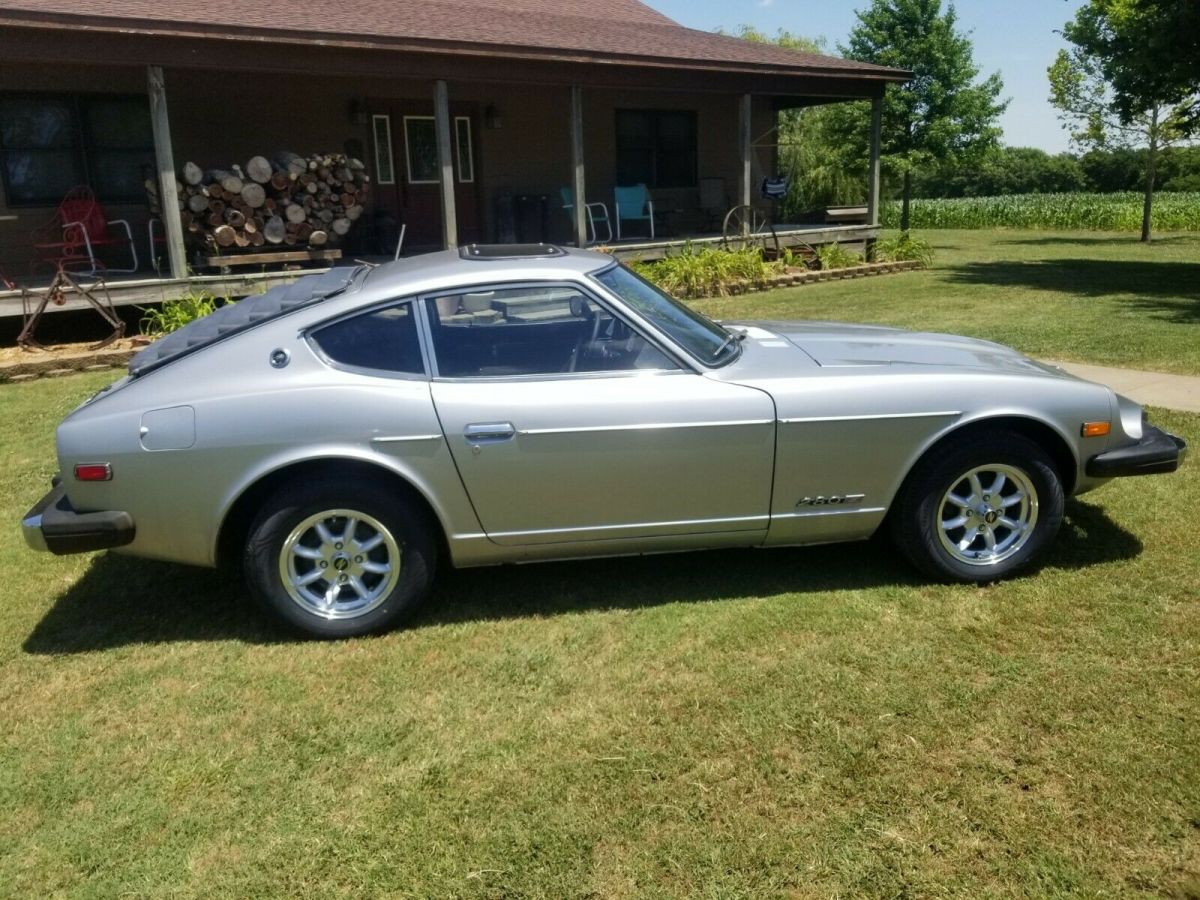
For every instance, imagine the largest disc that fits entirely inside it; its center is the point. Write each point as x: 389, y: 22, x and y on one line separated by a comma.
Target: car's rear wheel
x: 338, y: 560
x: 979, y: 511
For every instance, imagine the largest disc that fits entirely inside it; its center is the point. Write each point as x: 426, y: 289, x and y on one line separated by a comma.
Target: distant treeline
x: 1026, y: 170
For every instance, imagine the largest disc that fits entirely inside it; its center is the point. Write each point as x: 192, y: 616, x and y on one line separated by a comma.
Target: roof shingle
x: 621, y: 29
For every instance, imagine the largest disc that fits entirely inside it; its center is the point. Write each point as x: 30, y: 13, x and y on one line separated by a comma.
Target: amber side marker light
x: 93, y: 472
x: 1096, y: 429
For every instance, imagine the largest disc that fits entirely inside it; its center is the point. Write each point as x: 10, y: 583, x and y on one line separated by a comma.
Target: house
x: 470, y: 115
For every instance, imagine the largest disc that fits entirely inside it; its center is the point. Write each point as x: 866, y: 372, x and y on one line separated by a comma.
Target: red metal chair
x: 79, y: 228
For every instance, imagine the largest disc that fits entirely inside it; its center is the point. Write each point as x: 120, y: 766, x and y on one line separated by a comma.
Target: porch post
x: 873, y: 171
x: 578, y: 180
x: 168, y: 197
x: 441, y: 114
x: 747, y: 149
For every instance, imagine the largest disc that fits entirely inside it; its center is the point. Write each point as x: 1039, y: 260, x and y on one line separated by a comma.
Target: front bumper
x: 53, y: 525
x: 1157, y: 453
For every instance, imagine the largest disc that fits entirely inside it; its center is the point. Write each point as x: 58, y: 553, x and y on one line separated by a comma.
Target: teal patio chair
x: 596, y: 212
x: 634, y: 205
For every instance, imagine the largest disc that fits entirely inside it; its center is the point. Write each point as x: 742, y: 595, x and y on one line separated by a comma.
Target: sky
x: 1015, y: 37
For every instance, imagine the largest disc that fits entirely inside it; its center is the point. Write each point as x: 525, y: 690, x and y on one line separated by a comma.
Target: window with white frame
x: 381, y: 131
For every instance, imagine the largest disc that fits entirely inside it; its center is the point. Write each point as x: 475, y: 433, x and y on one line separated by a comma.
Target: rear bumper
x: 54, y: 526
x: 1157, y: 453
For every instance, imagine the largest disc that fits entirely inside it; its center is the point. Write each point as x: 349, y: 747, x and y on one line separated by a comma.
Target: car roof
x: 431, y: 272
x: 448, y: 269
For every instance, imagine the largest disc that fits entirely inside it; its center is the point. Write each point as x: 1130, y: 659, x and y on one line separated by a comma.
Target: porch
x: 142, y: 289
x: 488, y: 156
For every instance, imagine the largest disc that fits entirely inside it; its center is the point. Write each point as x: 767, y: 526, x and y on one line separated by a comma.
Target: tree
x: 1005, y: 170
x: 1130, y: 79
x: 940, y: 118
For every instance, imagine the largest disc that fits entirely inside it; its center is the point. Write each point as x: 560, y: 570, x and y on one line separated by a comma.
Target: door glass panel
x: 535, y: 330
x: 420, y: 138
x: 383, y: 339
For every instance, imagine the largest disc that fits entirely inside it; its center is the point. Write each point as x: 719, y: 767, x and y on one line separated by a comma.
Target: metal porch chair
x: 69, y: 241
x: 634, y: 204
x: 596, y: 212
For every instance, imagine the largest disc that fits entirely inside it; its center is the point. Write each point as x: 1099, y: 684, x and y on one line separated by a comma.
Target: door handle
x: 489, y: 432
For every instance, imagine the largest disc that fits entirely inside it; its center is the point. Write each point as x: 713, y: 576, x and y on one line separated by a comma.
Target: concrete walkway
x: 1148, y: 388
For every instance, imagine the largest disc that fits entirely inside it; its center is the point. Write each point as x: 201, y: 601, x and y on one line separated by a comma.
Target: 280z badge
x: 833, y: 500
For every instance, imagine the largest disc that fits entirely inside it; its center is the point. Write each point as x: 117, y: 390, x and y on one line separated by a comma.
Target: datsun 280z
x: 344, y: 436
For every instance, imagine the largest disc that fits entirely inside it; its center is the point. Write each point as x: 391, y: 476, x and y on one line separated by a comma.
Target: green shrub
x: 708, y: 272
x: 905, y: 247
x: 835, y: 256
x: 171, y: 315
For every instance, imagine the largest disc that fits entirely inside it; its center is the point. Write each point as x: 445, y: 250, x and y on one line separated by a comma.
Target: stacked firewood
x: 288, y: 200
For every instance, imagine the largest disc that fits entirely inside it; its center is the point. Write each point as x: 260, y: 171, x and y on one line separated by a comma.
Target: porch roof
x: 615, y: 31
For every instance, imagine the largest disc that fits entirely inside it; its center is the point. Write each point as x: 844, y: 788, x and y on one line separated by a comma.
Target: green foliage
x: 835, y: 256
x: 1144, y: 54
x: 1084, y: 212
x: 1006, y: 170
x: 821, y: 172
x: 782, y: 38
x: 1026, y: 170
x: 708, y: 272
x: 903, y: 248
x: 171, y: 315
x: 943, y: 115
x: 818, y: 170
x: 1114, y: 87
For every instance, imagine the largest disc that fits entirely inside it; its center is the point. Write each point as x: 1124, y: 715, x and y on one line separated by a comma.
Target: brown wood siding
x: 218, y: 118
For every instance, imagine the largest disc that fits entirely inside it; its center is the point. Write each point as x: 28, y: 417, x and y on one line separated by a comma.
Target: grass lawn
x: 1082, y: 296
x: 802, y: 723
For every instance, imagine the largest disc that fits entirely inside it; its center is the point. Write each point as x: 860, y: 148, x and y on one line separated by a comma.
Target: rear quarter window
x: 383, y: 340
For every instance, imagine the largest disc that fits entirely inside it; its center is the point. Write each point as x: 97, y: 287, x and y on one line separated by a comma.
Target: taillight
x: 93, y: 472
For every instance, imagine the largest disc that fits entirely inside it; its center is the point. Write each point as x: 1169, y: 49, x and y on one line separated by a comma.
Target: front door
x: 407, y: 175
x: 567, y: 425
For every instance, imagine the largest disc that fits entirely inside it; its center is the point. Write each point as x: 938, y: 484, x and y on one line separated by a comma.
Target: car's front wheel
x: 340, y: 560
x: 979, y: 511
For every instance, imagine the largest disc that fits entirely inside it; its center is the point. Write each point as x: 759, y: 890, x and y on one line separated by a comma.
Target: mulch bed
x: 18, y: 364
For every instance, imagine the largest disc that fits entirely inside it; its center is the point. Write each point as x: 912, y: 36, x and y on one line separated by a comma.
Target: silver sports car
x: 343, y: 436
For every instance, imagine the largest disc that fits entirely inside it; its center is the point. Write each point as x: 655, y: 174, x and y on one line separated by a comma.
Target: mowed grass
x: 1088, y: 297
x: 800, y: 723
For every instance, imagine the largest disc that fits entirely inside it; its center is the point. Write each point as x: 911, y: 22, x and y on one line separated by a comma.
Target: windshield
x: 704, y: 339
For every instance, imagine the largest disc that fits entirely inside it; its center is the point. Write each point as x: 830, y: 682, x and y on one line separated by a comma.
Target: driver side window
x: 533, y: 330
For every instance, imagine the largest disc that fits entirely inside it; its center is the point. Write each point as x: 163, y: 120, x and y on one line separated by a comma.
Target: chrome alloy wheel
x: 339, y: 564
x: 987, y: 515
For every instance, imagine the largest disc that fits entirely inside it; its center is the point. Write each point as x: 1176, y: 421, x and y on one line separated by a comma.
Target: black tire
x: 916, y: 518
x: 410, y: 528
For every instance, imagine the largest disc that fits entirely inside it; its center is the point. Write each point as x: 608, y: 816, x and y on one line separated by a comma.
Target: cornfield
x: 1078, y: 212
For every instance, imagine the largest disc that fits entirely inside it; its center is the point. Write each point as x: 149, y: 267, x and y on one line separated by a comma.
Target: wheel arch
x: 1042, y: 433
x: 239, y: 514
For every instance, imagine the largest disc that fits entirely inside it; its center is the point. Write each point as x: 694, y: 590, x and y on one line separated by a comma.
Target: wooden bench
x: 271, y: 257
x: 846, y: 215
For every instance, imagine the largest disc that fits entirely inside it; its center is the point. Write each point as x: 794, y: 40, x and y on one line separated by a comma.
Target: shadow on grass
x: 121, y: 601
x: 1107, y: 238
x: 1166, y: 290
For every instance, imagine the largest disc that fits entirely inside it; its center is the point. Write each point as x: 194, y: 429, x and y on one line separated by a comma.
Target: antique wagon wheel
x: 745, y: 227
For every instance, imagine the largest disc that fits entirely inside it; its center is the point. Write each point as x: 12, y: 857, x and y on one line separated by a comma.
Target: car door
x: 567, y: 424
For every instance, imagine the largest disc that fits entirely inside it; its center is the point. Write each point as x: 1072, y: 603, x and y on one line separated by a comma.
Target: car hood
x: 837, y: 345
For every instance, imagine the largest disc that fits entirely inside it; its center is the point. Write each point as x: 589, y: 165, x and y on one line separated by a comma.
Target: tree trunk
x: 1151, y: 171
x: 904, y: 201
